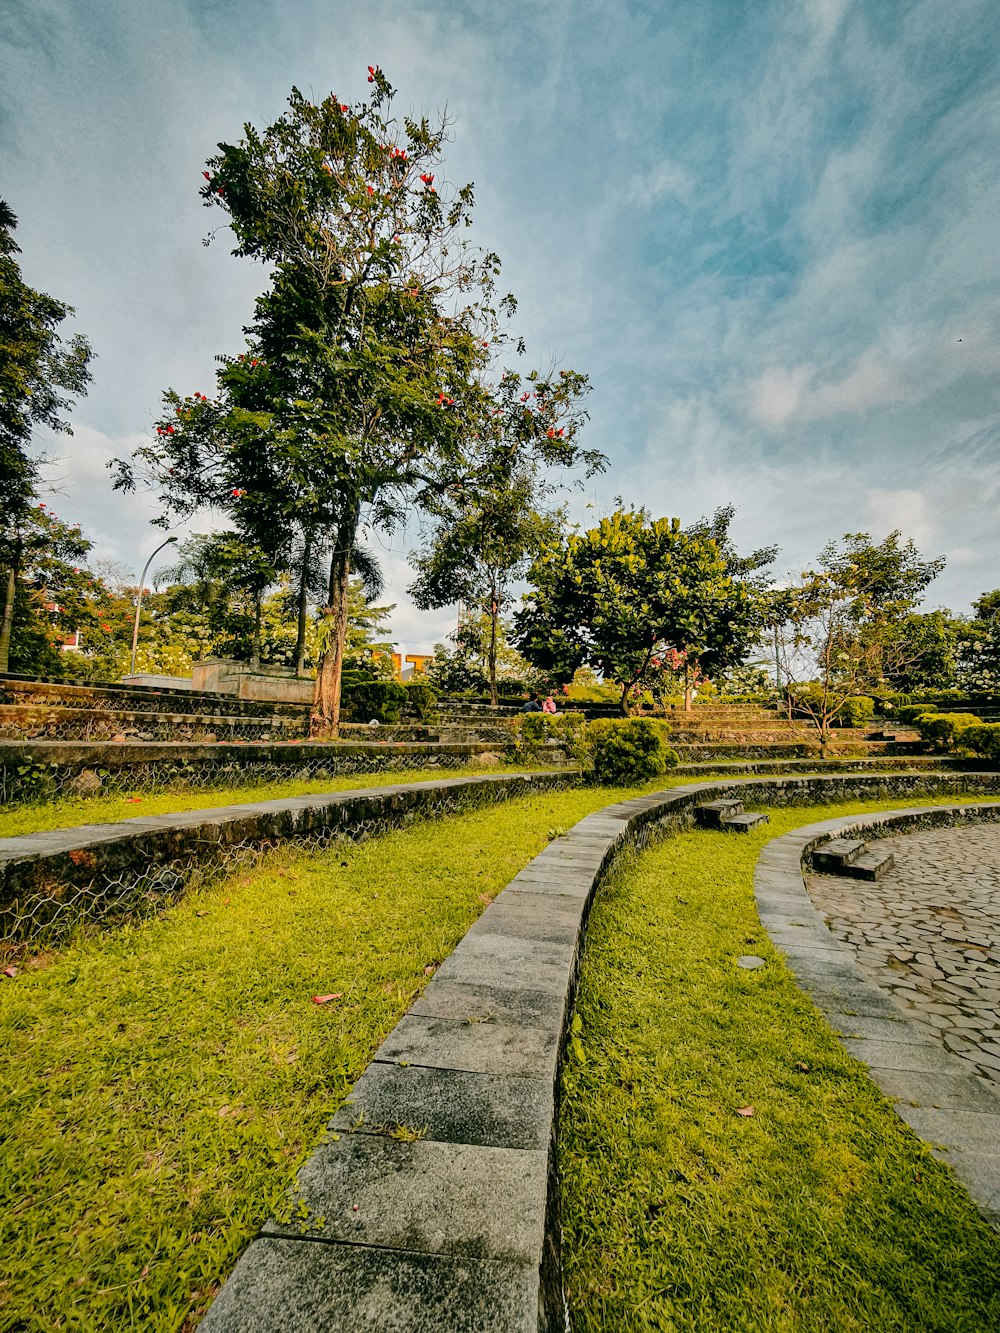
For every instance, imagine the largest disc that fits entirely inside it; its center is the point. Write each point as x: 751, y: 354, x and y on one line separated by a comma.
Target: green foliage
x: 943, y: 729
x: 567, y: 730
x: 620, y: 597
x: 377, y: 701
x: 858, y: 711
x: 910, y: 712
x: 983, y: 739
x: 978, y: 666
x: 37, y: 372
x: 421, y: 699
x: 629, y: 749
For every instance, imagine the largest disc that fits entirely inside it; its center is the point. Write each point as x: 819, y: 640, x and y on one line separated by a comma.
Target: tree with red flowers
x: 369, y: 353
x: 484, y: 532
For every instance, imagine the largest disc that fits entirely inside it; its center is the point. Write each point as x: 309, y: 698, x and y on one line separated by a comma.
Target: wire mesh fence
x: 32, y: 781
x: 58, y: 901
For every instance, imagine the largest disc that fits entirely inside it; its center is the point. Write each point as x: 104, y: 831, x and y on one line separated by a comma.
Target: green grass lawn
x: 161, y: 1083
x: 72, y: 811
x: 820, y: 1210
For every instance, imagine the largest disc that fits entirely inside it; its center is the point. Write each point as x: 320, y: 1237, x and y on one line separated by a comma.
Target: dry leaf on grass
x: 322, y: 999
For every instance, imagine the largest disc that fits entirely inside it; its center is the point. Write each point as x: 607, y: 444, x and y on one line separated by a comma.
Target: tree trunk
x: 8, y: 620
x: 324, y: 721
x: 255, y: 645
x: 624, y: 704
x: 688, y: 688
x: 300, y: 630
x: 492, y: 660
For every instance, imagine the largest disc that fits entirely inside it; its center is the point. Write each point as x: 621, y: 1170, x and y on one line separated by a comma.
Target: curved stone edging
x: 932, y: 1090
x: 433, y: 1205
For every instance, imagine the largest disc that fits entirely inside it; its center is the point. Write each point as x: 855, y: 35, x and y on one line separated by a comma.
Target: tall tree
x: 978, y: 668
x: 843, y: 631
x: 486, y: 531
x: 621, y: 595
x: 353, y: 399
x: 37, y: 373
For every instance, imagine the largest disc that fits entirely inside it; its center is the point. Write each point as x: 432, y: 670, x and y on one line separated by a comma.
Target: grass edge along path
x: 724, y: 1163
x: 163, y: 1081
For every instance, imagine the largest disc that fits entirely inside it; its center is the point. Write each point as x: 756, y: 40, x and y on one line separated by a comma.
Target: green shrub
x: 377, y: 701
x: 421, y: 699
x: 910, y: 712
x: 982, y: 739
x: 857, y: 711
x: 537, y: 730
x: 629, y: 749
x: 942, y: 729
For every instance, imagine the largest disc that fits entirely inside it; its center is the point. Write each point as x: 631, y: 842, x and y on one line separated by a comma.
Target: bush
x: 943, y: 728
x: 857, y: 711
x: 630, y: 749
x: 910, y: 712
x: 421, y: 699
x: 983, y: 739
x: 567, y: 730
x: 377, y: 701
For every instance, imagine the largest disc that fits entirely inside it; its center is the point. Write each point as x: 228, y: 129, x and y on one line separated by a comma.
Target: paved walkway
x: 929, y: 933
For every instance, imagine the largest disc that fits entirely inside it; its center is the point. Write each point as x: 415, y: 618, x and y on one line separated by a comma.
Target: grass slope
x: 161, y: 1083
x: 72, y: 811
x: 819, y: 1211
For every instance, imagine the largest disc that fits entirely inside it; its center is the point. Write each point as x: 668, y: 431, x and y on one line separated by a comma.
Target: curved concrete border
x: 432, y: 1206
x: 954, y: 1111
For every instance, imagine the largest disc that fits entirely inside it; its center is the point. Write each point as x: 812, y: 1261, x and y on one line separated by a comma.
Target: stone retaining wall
x: 43, y: 770
x: 52, y: 882
x: 432, y: 1204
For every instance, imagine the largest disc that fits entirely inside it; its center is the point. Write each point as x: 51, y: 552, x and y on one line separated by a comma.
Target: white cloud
x: 908, y: 511
x: 667, y: 178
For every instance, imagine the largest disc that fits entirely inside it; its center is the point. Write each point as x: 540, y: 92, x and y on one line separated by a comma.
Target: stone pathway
x: 929, y: 933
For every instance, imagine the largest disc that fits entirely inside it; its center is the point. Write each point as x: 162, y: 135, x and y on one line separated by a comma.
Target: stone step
x: 743, y: 823
x: 870, y: 865
x: 713, y: 814
x: 835, y: 856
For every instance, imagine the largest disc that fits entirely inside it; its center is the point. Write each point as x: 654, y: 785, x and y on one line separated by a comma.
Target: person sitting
x: 549, y: 706
x: 532, y: 705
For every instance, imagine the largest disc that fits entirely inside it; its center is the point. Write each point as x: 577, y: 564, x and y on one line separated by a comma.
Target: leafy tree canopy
x: 621, y: 595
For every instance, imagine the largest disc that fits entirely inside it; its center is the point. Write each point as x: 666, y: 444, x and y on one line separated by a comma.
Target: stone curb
x: 433, y: 1202
x: 955, y: 1112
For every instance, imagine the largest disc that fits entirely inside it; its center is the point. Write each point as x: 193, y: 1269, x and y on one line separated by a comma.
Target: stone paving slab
x: 929, y: 934
x: 425, y: 1196
x: 896, y: 1027
x: 294, y: 1286
x: 452, y: 1105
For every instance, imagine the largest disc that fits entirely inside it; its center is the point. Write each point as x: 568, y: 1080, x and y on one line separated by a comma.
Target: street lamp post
x: 138, y: 601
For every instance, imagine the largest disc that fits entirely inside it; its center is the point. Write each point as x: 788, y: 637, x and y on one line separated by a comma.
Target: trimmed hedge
x: 943, y: 729
x: 377, y: 701
x: 982, y: 739
x: 538, y: 730
x: 630, y: 749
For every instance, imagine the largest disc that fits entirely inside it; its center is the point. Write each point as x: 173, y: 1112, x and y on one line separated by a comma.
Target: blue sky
x: 767, y: 231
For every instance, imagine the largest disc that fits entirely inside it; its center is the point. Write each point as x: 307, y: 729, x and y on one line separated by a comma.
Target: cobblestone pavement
x: 929, y: 932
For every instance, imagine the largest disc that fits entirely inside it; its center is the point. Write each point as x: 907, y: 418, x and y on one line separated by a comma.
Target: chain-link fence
x: 57, y: 896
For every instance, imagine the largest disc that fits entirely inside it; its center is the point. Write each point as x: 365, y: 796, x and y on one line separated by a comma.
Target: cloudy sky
x: 767, y: 231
